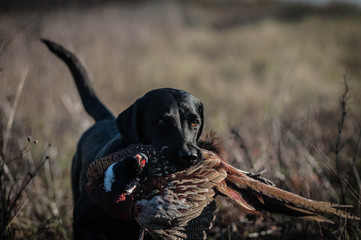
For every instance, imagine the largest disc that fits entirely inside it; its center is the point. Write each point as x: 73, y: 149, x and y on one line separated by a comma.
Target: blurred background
x: 280, y: 81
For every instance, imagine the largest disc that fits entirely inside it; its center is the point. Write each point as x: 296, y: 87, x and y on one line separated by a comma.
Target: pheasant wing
x: 195, y: 229
x: 183, y: 208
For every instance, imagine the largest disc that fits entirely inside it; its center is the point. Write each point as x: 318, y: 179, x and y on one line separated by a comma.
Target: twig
x: 52, y: 200
x: 355, y: 172
x: 27, y: 180
x: 354, y: 168
x: 342, y: 180
x: 244, y: 147
x: 17, y: 213
x: 10, y: 123
x: 313, y: 162
x: 13, y: 110
x: 340, y: 125
x: 281, y: 162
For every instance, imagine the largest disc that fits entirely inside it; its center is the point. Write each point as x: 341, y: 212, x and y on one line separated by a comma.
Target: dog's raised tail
x: 93, y: 106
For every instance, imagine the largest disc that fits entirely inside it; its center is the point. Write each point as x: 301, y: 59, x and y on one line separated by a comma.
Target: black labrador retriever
x: 166, y: 118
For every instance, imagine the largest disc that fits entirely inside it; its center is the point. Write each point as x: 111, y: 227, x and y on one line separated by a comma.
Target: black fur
x: 166, y: 118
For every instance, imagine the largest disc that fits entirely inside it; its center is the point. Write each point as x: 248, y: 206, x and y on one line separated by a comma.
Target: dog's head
x: 166, y: 118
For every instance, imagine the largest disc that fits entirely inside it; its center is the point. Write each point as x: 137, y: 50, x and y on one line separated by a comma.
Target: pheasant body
x: 165, y: 200
x: 173, y: 203
x: 179, y: 197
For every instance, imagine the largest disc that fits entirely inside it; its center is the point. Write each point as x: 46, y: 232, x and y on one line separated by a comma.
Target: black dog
x: 166, y: 118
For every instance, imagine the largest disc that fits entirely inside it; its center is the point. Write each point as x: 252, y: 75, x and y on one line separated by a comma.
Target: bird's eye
x: 195, y: 123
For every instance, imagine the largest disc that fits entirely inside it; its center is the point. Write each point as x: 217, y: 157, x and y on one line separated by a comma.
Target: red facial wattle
x: 142, y: 159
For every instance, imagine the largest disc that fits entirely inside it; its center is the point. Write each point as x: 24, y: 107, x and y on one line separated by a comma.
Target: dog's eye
x: 195, y: 123
x: 161, y: 122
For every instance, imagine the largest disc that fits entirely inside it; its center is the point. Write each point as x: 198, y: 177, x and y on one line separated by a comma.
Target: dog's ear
x: 128, y: 123
x: 200, y: 110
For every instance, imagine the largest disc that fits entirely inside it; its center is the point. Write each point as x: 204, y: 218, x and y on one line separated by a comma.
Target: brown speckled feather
x: 178, y: 204
x: 175, y: 205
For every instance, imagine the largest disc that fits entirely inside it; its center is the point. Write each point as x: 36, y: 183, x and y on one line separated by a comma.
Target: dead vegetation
x: 302, y: 163
x: 272, y: 87
x: 28, y: 208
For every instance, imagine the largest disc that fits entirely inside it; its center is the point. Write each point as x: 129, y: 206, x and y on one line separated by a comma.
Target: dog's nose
x: 188, y: 156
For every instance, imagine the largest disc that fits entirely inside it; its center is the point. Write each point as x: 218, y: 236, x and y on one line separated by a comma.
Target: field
x: 280, y: 83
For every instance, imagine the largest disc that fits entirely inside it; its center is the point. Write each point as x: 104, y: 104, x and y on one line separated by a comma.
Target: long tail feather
x: 261, y: 196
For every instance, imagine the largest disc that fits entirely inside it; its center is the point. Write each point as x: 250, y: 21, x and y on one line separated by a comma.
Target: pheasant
x: 139, y: 182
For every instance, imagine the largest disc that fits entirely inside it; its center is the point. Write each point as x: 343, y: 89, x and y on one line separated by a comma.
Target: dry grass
x: 275, y: 81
